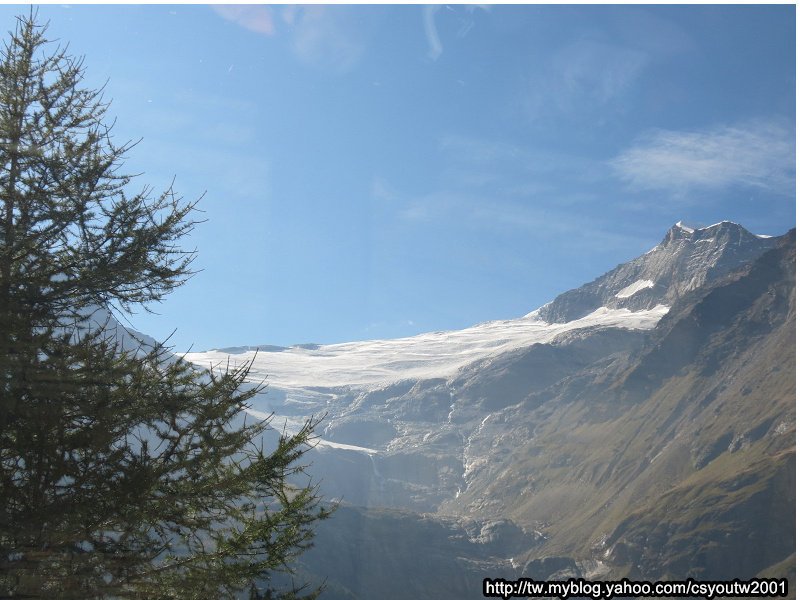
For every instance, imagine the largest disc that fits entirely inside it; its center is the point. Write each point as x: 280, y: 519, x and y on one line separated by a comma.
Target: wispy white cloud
x: 583, y: 76
x: 498, y: 165
x: 464, y: 23
x: 757, y: 153
x: 597, y: 70
x: 254, y: 17
x: 512, y: 216
x: 325, y: 36
x: 501, y: 188
x: 431, y: 33
x: 382, y: 191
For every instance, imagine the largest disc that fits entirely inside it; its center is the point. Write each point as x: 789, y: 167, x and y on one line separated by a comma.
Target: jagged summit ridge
x: 686, y: 258
x: 693, y: 233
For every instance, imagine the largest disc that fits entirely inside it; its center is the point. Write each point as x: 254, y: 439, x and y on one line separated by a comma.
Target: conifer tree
x: 124, y: 472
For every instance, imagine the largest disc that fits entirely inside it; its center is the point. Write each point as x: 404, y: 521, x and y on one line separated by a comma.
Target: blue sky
x: 380, y: 171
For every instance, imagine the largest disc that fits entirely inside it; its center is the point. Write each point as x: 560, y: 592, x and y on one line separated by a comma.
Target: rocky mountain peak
x: 686, y: 258
x: 723, y: 232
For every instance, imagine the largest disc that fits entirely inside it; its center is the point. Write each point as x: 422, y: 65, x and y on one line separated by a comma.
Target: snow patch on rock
x: 636, y: 286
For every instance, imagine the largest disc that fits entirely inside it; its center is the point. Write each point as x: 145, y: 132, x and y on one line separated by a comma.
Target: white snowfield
x: 428, y: 355
x: 636, y: 286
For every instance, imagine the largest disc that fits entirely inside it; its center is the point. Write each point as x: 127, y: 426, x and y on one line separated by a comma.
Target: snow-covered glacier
x: 429, y: 355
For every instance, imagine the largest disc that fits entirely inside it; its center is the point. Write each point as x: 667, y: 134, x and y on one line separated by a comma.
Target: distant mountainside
x: 673, y: 460
x: 642, y: 425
